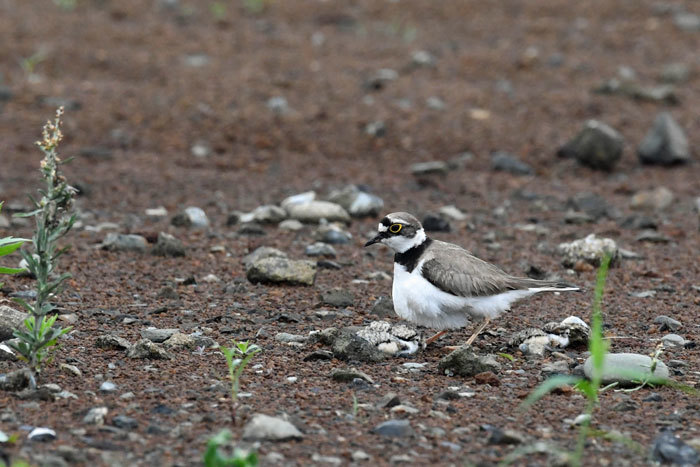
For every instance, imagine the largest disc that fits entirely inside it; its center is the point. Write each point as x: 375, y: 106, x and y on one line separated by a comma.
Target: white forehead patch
x: 382, y: 227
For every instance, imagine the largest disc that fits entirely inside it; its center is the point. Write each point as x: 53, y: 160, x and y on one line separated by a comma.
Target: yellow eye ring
x: 395, y: 228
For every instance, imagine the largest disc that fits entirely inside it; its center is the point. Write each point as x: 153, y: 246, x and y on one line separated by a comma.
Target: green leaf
x: 4, y: 270
x: 548, y: 386
x: 507, y: 356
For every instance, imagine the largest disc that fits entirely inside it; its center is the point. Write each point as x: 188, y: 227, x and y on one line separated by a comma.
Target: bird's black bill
x: 378, y: 238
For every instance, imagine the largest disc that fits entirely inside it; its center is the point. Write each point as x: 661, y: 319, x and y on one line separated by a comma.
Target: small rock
x: 507, y: 437
x: 10, y: 319
x: 357, y: 202
x: 667, y: 323
x: 389, y: 400
x: 168, y: 245
x: 453, y: 213
x: 15, y: 380
x: 265, y: 428
x: 591, y: 204
x: 291, y: 225
x: 686, y: 21
x: 464, y: 362
x: 349, y: 375
x: 394, y: 429
x: 376, y: 129
x: 125, y: 423
x: 347, y: 345
x: 626, y: 368
x: 665, y: 143
x: 278, y: 105
x: 670, y: 449
x: 147, y: 349
x: 319, y: 355
x: 332, y: 460
x: 591, y: 249
x: 657, y: 199
x: 597, y: 146
x: 167, y: 293
x: 337, y: 297
x: 108, y: 387
x: 72, y: 369
x: 320, y: 249
x: 639, y: 222
x: 263, y: 252
x: 383, y: 307
x: 436, y: 223
x: 191, y: 217
x: 332, y: 234
x: 157, y: 335
x: 429, y: 168
x: 652, y: 236
x: 282, y: 270
x: 288, y: 338
x: 625, y: 406
x: 559, y: 367
x: 42, y: 434
x: 504, y: 162
x: 673, y: 340
x: 675, y: 73
x: 200, y: 149
x: 360, y: 456
x: 268, y: 214
x: 301, y: 198
x: 124, y: 242
x: 378, y: 79
x: 315, y: 211
x: 110, y: 342
x: 180, y: 341
x: 487, y: 377
x: 95, y: 416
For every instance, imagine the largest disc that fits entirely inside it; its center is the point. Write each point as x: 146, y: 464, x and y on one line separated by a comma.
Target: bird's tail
x: 548, y: 286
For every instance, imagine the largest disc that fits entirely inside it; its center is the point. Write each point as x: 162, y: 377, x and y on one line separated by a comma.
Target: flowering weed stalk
x: 53, y: 221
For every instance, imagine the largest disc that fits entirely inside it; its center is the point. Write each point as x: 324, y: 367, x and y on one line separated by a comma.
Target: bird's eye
x: 395, y: 228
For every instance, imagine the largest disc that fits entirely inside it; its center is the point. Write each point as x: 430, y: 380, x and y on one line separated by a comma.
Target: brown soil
x: 119, y: 66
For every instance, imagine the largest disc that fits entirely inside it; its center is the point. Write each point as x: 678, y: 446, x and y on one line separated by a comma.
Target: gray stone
x: 124, y: 242
x: 394, y: 429
x: 315, y: 211
x: 429, y: 168
x: 686, y: 21
x: 268, y: 214
x: 626, y: 87
x: 197, y: 216
x: 452, y: 212
x: 157, y: 335
x: 278, y: 105
x: 657, y: 199
x: 558, y: 367
x: 200, y: 149
x: 265, y: 428
x: 670, y: 449
x: 337, y: 297
x: 263, y: 252
x: 591, y: 249
x: 72, y: 369
x: 110, y: 342
x: 652, y: 236
x: 376, y: 128
x: 301, y: 198
x: 332, y: 234
x: 146, y: 349
x: 347, y: 345
x: 360, y: 456
x: 291, y: 224
x: 665, y: 143
x: 464, y: 362
x: 383, y: 307
x: 505, y: 437
x: 504, y: 162
x: 168, y: 245
x: 349, y: 375
x: 289, y: 338
x: 667, y: 323
x: 95, y: 416
x: 108, y: 387
x: 10, y: 319
x: 180, y: 341
x: 125, y: 422
x: 42, y: 434
x: 15, y: 380
x: 282, y: 270
x: 319, y: 459
x: 389, y: 400
x: 626, y: 369
x: 357, y: 202
x: 320, y: 249
x: 597, y: 146
x: 673, y: 340
x: 675, y: 73
x: 591, y: 204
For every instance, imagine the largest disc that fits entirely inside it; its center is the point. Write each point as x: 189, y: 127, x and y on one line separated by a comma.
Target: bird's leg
x: 434, y: 338
x: 483, y: 325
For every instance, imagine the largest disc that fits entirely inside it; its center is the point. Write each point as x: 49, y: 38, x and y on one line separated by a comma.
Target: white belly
x: 418, y: 301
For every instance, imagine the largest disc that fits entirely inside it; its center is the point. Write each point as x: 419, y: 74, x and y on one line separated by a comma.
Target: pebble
x: 667, y: 323
x: 675, y: 73
x: 333, y: 234
x: 315, y: 211
x: 111, y: 342
x: 263, y: 252
x: 657, y: 199
x: 278, y: 105
x: 15, y: 380
x: 436, y: 223
x: 282, y: 270
x: 337, y: 297
x: 108, y: 387
x: 504, y: 437
x: 667, y: 448
x: 146, y: 349
x: 665, y: 143
x: 673, y: 340
x: 95, y: 416
x: 626, y: 368
x: 591, y: 249
x: 429, y: 168
x: 191, y: 217
x: 505, y: 162
x: 452, y: 212
x: 559, y: 367
x: 388, y: 400
x: 320, y: 249
x: 72, y: 369
x: 301, y: 198
x: 597, y: 146
x: 394, y: 429
x: 332, y: 460
x: 292, y: 225
x: 347, y: 345
x: 125, y: 422
x: 686, y: 21
x: 360, y: 456
x: 464, y: 362
x: 180, y: 341
x: 383, y: 307
x: 124, y: 242
x: 357, y: 202
x: 591, y: 204
x: 287, y: 337
x: 263, y: 427
x: 42, y: 434
x: 652, y: 236
x: 168, y: 245
x: 349, y: 375
x: 267, y: 214
x: 10, y: 319
x: 157, y: 335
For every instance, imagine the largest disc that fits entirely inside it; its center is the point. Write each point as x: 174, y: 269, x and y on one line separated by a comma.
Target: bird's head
x: 400, y: 231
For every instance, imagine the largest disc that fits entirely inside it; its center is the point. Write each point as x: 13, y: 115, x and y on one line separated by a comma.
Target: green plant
x: 39, y: 335
x: 30, y: 63
x: 214, y: 458
x: 218, y: 10
x: 67, y: 5
x: 9, y: 245
x: 237, y: 358
x: 254, y: 6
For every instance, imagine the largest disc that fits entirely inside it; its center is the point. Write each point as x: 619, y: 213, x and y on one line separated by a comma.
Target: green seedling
x: 30, y: 63
x: 237, y: 358
x: 53, y: 221
x: 9, y: 245
x: 214, y: 458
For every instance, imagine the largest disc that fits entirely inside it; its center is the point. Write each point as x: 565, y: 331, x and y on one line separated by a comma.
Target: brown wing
x: 456, y: 271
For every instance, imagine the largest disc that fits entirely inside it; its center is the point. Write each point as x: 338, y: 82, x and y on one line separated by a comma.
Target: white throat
x: 402, y: 244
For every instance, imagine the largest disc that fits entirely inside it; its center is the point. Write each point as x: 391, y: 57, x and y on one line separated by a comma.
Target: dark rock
x: 147, y: 349
x: 665, y: 143
x: 15, y: 380
x: 639, y: 222
x: 464, y: 362
x: 10, y: 319
x: 669, y: 449
x: 590, y: 203
x: 124, y: 422
x: 319, y: 355
x: 504, y: 162
x: 667, y: 324
x: 252, y: 229
x: 653, y: 397
x: 597, y: 146
x: 349, y: 375
x: 167, y: 293
x: 627, y: 405
x: 394, y: 429
x: 347, y: 345
x: 506, y: 437
x: 337, y: 297
x: 124, y: 242
x: 389, y: 400
x: 436, y: 223
x: 383, y: 307
x: 110, y: 342
x: 168, y: 245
